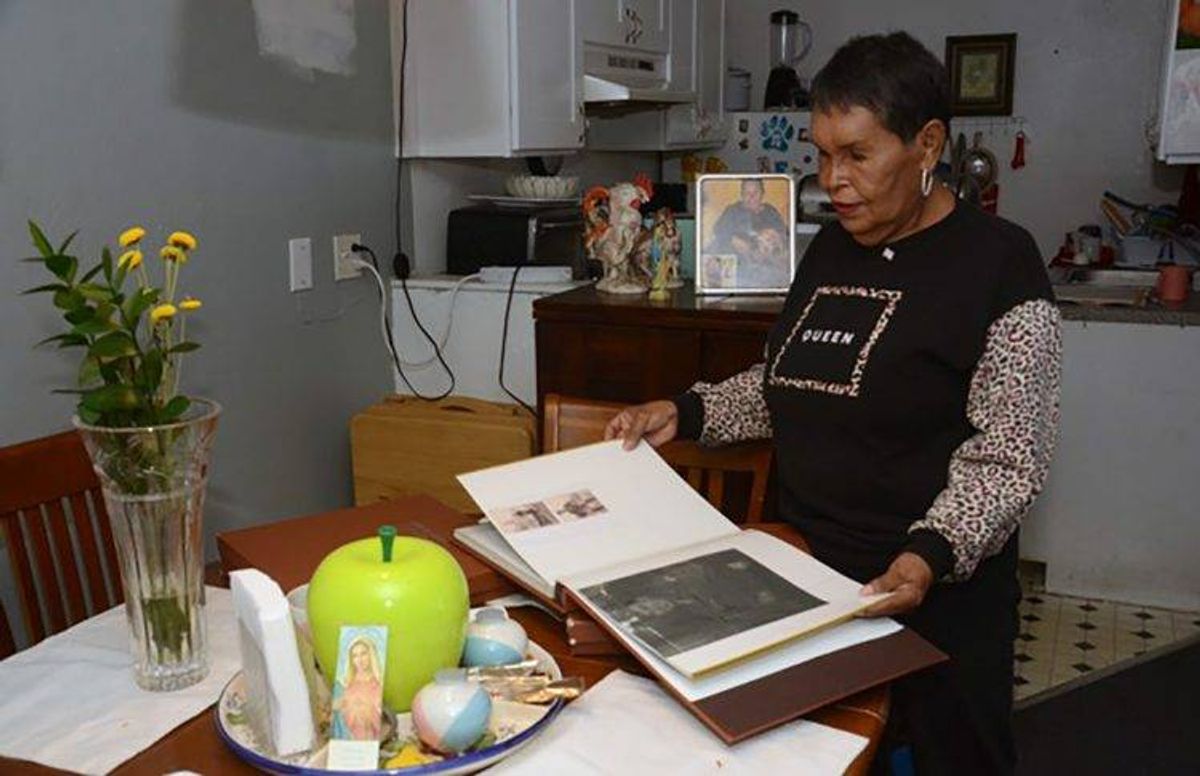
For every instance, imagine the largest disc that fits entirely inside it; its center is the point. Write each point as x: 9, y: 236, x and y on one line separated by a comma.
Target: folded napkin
x: 70, y: 701
x: 629, y: 725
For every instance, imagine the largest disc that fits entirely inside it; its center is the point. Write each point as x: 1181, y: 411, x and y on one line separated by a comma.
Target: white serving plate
x: 513, y: 725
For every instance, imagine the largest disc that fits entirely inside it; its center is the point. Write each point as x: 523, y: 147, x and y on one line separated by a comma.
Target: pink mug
x: 1174, y: 283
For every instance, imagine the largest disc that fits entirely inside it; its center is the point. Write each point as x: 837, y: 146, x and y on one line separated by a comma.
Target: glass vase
x: 153, y: 480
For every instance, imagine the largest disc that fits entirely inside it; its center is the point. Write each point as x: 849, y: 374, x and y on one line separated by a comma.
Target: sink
x: 1089, y: 276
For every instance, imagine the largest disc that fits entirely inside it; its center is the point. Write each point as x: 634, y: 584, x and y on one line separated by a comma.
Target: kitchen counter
x: 1153, y: 313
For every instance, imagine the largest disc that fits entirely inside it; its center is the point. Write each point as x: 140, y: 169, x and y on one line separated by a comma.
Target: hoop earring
x: 926, y: 182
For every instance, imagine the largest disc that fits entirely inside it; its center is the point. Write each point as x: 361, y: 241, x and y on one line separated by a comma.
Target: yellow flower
x: 131, y: 236
x: 130, y: 259
x: 161, y: 313
x: 171, y: 253
x: 182, y: 240
x: 188, y: 304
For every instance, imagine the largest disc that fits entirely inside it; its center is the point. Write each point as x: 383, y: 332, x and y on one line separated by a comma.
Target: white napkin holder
x: 277, y: 704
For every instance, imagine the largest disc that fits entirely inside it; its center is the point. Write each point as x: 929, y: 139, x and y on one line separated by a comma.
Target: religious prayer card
x: 358, y: 699
x: 646, y: 554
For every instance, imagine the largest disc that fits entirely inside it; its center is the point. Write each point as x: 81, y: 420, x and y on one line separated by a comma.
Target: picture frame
x: 981, y: 69
x: 745, y: 233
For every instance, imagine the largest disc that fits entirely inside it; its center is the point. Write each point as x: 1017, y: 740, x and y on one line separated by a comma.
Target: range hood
x: 617, y: 76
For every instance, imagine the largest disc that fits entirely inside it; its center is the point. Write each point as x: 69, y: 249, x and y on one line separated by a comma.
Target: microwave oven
x: 489, y: 236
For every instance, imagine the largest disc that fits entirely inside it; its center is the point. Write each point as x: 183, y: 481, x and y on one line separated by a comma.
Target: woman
x: 911, y: 389
x: 358, y: 703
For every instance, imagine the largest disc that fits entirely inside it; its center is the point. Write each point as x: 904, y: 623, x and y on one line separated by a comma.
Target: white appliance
x: 469, y: 321
x: 1178, y: 140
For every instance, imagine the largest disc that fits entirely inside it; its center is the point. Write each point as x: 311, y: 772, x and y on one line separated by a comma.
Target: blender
x: 790, y: 41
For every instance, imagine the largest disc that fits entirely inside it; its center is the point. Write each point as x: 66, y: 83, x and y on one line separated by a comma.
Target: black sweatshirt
x: 911, y: 391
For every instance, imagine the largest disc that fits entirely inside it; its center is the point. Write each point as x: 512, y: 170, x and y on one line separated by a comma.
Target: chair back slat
x: 715, y: 489
x: 8, y: 646
x: 31, y: 610
x: 58, y: 534
x: 571, y: 422
x: 88, y: 549
x: 110, y: 546
x: 67, y: 561
x: 43, y: 561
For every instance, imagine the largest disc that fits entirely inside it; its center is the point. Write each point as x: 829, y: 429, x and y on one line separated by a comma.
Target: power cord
x: 445, y: 336
x: 512, y: 285
x: 385, y: 325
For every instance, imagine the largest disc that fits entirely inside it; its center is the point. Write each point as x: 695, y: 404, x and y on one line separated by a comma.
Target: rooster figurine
x: 614, y: 234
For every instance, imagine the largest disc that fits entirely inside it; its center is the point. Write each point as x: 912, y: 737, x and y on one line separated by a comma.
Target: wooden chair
x: 60, y: 543
x: 570, y: 422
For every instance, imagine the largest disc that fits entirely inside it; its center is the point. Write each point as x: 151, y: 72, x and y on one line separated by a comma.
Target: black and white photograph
x: 523, y: 517
x: 677, y: 608
x: 575, y: 505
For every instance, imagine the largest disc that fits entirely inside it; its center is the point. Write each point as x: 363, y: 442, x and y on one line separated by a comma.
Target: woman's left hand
x: 908, y: 579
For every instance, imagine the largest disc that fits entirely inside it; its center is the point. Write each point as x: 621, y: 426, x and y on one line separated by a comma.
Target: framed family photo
x: 981, y: 71
x: 745, y: 234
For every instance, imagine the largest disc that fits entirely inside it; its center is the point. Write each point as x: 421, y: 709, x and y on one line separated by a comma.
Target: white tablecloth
x: 70, y: 701
x: 628, y: 725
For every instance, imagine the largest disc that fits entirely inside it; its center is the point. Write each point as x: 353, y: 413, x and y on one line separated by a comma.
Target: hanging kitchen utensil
x: 956, y: 163
x: 1018, y: 160
x: 980, y: 163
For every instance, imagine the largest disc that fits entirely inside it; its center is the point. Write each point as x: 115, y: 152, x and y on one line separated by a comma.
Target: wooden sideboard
x: 632, y: 349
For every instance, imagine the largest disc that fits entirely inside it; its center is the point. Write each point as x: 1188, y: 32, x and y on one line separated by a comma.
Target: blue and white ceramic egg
x: 451, y: 713
x: 494, y: 640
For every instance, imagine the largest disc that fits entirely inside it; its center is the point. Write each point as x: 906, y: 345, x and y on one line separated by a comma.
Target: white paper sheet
x: 70, y: 702
x: 627, y: 725
x: 648, y: 507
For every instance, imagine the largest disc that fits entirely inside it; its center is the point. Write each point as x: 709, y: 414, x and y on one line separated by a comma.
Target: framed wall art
x: 745, y: 234
x: 981, y: 71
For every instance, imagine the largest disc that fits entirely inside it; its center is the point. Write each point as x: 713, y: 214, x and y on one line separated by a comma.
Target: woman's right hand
x: 656, y: 421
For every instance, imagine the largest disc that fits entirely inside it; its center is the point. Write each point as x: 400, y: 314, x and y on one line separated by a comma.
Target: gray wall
x: 165, y: 114
x: 1087, y: 82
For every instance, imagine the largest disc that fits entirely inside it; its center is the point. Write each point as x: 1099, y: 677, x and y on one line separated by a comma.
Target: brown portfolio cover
x: 748, y: 709
x: 744, y: 711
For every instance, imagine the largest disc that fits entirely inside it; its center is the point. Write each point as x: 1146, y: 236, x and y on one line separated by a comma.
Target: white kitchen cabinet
x: 640, y: 25
x: 697, y: 54
x: 490, y: 78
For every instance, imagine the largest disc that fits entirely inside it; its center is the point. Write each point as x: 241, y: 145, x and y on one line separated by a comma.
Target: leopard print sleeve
x: 1013, y: 403
x: 734, y: 410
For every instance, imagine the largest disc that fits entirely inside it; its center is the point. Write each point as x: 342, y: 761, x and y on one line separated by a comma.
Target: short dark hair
x: 893, y: 76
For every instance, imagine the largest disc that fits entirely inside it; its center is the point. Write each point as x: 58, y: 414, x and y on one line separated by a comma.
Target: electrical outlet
x: 343, y: 268
x: 300, y: 265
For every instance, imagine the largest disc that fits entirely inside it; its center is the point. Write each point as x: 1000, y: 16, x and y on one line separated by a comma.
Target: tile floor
x: 1063, y: 638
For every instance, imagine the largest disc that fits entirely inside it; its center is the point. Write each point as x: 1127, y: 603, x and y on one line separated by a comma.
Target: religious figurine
x: 615, y: 237
x: 666, y: 247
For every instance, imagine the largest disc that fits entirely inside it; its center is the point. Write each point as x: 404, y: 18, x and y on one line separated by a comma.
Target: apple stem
x: 387, y: 535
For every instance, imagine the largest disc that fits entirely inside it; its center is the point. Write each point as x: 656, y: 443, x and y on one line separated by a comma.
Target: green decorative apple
x: 412, y: 586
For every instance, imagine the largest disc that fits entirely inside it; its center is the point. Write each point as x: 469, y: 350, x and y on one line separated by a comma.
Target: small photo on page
x: 523, y: 517
x: 575, y: 505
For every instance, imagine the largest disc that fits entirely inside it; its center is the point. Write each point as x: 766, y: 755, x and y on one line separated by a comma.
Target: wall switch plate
x: 343, y: 268
x: 300, y: 267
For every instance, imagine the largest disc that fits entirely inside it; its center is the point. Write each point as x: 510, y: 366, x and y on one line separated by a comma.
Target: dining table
x: 290, y: 550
